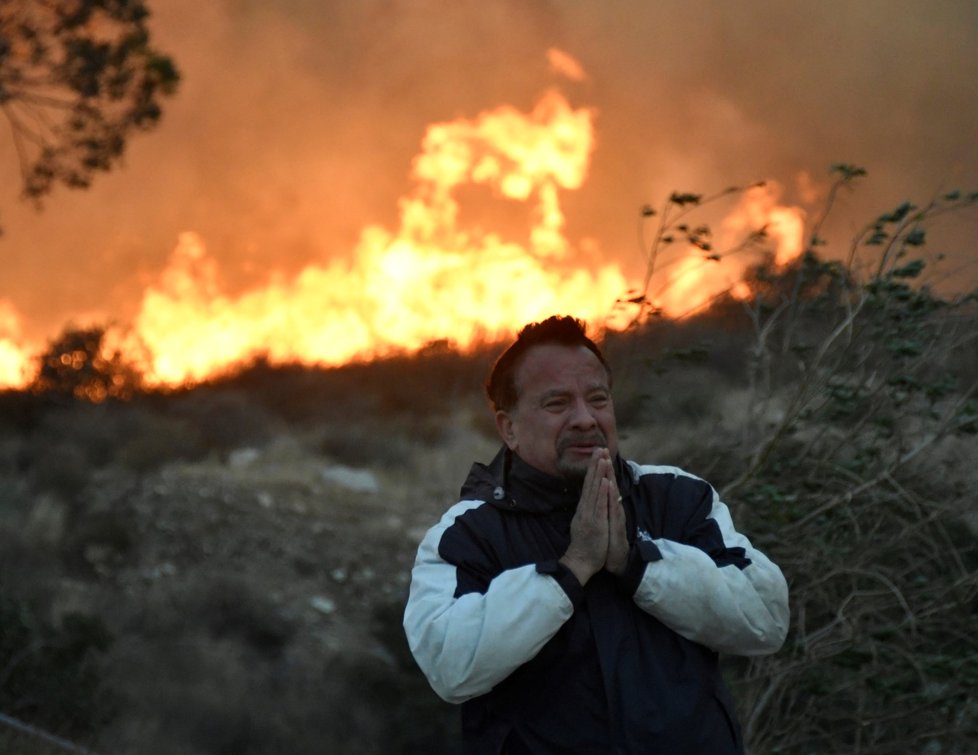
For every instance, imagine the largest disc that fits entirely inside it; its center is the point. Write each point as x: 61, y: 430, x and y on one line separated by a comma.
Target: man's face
x: 564, y: 410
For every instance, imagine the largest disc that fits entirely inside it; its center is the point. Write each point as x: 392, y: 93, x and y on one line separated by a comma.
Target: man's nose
x: 583, y: 415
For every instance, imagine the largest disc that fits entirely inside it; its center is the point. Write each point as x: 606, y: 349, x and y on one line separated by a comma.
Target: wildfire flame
x: 433, y: 278
x: 566, y: 65
x: 760, y: 208
x: 14, y: 363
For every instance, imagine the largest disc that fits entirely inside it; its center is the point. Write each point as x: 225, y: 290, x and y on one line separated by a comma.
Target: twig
x: 47, y: 736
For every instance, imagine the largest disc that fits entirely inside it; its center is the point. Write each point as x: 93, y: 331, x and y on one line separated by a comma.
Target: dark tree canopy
x: 80, y: 364
x: 77, y: 78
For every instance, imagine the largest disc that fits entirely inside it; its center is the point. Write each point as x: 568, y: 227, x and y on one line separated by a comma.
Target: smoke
x: 297, y: 122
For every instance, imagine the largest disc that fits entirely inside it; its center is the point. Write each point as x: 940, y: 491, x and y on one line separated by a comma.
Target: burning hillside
x: 439, y: 275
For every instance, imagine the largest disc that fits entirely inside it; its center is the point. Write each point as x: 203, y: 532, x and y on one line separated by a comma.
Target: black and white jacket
x: 623, y: 664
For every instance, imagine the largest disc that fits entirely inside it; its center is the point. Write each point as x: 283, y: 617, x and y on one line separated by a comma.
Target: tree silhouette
x: 78, y: 364
x: 77, y: 79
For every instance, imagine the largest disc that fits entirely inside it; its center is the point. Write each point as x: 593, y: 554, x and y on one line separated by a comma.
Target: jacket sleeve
x: 467, y: 640
x: 726, y: 594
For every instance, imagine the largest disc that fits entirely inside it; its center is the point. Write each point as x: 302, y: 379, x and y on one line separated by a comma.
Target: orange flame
x: 14, y: 363
x: 565, y: 65
x: 433, y: 278
x: 759, y: 208
x: 692, y: 277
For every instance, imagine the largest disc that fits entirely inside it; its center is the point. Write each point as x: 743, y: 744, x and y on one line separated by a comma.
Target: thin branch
x: 47, y: 736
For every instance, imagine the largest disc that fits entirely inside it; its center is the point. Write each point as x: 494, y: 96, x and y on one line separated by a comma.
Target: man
x: 576, y: 602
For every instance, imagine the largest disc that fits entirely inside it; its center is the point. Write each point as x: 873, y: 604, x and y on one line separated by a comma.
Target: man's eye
x: 599, y: 399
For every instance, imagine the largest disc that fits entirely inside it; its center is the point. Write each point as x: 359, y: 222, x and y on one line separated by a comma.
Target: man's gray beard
x: 573, y: 473
x: 570, y: 472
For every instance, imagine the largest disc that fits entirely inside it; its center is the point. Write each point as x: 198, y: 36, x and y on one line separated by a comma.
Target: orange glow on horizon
x: 433, y: 278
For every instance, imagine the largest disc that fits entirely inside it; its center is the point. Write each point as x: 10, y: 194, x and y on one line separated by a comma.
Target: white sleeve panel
x: 732, y: 610
x: 467, y: 645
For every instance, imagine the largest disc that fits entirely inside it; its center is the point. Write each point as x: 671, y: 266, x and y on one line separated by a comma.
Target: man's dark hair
x: 559, y: 329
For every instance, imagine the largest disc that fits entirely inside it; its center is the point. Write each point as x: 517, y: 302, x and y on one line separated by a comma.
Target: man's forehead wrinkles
x: 556, y: 369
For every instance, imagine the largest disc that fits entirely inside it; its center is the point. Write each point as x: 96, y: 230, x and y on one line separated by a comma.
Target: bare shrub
x: 855, y: 378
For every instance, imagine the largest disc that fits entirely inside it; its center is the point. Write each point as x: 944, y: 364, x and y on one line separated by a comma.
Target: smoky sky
x: 296, y: 122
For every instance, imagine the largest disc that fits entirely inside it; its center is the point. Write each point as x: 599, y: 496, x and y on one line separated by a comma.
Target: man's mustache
x: 589, y: 439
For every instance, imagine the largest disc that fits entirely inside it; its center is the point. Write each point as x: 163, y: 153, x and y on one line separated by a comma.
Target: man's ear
x: 504, y: 425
